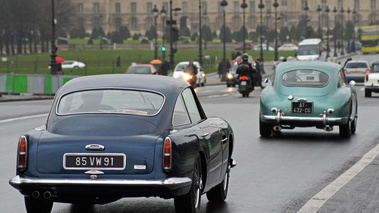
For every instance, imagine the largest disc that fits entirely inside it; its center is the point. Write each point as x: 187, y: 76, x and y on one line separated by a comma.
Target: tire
x: 37, y: 206
x: 367, y: 93
x: 354, y: 122
x: 220, y: 192
x: 345, y: 130
x: 265, y: 129
x: 190, y: 202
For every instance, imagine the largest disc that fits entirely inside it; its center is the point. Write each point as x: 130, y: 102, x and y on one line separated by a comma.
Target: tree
x: 228, y: 34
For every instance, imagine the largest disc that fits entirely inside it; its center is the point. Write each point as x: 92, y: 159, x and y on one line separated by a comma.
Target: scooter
x: 245, y: 86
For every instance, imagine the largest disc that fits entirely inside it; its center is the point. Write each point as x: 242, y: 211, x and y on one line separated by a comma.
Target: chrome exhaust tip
x: 47, y: 195
x: 36, y: 194
x: 277, y: 128
x: 328, y: 128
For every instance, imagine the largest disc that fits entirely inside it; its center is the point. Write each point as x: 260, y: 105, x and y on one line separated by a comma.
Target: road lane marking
x: 22, y: 118
x: 317, y: 201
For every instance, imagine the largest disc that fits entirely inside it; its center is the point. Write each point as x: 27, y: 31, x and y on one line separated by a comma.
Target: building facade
x: 138, y: 15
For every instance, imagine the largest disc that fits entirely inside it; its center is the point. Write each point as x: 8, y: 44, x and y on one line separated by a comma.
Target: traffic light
x: 163, y: 48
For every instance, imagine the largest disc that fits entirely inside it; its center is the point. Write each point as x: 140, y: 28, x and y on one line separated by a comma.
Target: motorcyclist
x: 245, y: 68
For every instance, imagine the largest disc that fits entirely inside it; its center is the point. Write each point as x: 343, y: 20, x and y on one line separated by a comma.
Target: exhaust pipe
x: 328, y: 128
x: 47, y: 195
x: 277, y: 128
x: 36, y: 194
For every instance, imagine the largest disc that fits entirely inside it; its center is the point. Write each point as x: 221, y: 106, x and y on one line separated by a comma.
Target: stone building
x: 138, y: 15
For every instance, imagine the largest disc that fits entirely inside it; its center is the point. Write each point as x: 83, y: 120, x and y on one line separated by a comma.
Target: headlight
x: 187, y: 76
x: 230, y: 76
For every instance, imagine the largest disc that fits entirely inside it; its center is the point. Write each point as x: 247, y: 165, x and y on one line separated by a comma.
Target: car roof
x: 141, y: 65
x: 163, y: 84
x: 318, y: 65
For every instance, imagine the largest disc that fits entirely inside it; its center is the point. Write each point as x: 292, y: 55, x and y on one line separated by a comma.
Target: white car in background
x: 372, y: 80
x: 181, y: 66
x: 288, y: 47
x: 69, y: 64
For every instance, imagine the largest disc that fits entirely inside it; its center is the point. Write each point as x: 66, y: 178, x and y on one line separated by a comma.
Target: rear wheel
x: 265, y: 129
x: 345, y: 130
x: 220, y: 192
x: 367, y: 93
x: 190, y: 202
x: 37, y: 206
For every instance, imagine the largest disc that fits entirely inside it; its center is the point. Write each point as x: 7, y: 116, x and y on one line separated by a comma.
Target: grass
x: 104, y: 61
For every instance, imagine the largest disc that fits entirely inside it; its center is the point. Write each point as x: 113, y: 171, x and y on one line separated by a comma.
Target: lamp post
x: 268, y: 15
x: 223, y: 4
x: 244, y: 6
x: 155, y: 14
x: 53, y: 55
x: 348, y: 40
x: 327, y: 10
x: 276, y: 5
x: 319, y: 22
x: 200, y: 37
x: 354, y: 20
x: 163, y: 15
x: 261, y: 6
x: 306, y: 8
x: 172, y: 54
x: 335, y: 31
x: 342, y: 32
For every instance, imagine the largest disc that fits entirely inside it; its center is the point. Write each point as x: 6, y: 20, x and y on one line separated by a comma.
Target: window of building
x: 356, y: 5
x: 268, y: 5
x: 252, y: 6
x: 236, y: 6
x: 117, y: 7
x: 185, y: 7
x: 133, y: 23
x: 80, y: 8
x: 204, y: 6
x: 149, y: 7
x: 339, y: 4
x: 96, y: 8
x: 133, y: 7
x: 373, y: 4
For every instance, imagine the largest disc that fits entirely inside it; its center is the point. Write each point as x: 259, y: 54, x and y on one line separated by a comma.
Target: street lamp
x: 163, y: 15
x: 155, y: 14
x: 268, y: 16
x: 244, y: 6
x: 348, y: 41
x: 53, y: 55
x: 306, y: 8
x: 172, y: 54
x: 276, y: 5
x: 319, y: 22
x: 200, y: 37
x: 335, y: 31
x: 342, y: 31
x: 261, y: 6
x: 354, y: 20
x: 223, y: 4
x: 327, y: 10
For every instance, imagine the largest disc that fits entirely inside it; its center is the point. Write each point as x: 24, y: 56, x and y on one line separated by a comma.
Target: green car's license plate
x: 302, y: 107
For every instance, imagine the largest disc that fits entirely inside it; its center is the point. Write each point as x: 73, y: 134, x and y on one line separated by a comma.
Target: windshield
x: 308, y: 50
x: 111, y: 101
x: 305, y: 77
x: 139, y: 70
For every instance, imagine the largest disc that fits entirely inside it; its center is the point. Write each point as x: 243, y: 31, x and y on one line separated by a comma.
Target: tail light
x: 167, y: 154
x: 345, y: 71
x: 244, y: 78
x: 22, y: 153
x: 367, y: 71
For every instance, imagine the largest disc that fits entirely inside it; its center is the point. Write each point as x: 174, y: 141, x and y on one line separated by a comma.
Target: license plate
x: 103, y: 161
x: 302, y: 107
x: 357, y: 72
x: 243, y: 83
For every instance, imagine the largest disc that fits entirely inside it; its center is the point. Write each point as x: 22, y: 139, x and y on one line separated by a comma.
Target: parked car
x: 357, y: 70
x: 372, y: 80
x: 148, y: 69
x: 114, y: 136
x: 247, y: 47
x: 70, y: 64
x: 288, y: 47
x: 231, y: 76
x: 309, y: 94
x: 181, y: 66
x: 349, y: 47
x: 264, y: 46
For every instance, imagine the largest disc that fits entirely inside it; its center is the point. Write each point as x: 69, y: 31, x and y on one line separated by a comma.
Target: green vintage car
x: 309, y: 94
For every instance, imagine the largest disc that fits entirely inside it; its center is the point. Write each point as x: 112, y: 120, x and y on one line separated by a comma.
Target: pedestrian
x: 258, y: 73
x: 164, y: 67
x: 339, y: 46
x: 219, y: 69
x: 118, y: 61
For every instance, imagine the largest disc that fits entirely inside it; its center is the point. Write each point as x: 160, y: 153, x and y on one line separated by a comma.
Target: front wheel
x: 37, y: 206
x: 190, y: 202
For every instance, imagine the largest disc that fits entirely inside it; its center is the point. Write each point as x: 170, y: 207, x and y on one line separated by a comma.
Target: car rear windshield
x: 136, y: 102
x: 305, y: 77
x: 139, y: 70
x: 356, y: 65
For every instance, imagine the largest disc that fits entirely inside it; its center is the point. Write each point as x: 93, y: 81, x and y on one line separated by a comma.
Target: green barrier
x: 49, y: 85
x: 20, y: 84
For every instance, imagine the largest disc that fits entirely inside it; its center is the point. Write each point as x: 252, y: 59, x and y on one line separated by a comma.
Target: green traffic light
x: 163, y: 48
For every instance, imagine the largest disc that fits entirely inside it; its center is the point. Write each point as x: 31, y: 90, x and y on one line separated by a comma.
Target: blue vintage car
x: 309, y: 94
x: 114, y: 136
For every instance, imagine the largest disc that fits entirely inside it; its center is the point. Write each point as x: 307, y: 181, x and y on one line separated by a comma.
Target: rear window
x: 305, y: 77
x: 356, y: 65
x: 138, y: 70
x: 375, y: 68
x: 144, y: 103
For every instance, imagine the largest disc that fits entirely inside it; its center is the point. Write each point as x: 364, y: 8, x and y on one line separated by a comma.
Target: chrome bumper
x: 279, y: 118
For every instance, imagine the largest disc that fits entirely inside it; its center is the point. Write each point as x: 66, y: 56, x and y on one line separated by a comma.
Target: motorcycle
x: 245, y: 86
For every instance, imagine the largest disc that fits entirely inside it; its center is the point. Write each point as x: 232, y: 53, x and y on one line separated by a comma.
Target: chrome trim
x: 17, y: 181
x: 279, y: 118
x: 95, y: 147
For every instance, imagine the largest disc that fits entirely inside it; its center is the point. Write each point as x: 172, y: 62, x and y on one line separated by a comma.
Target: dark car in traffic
x: 113, y: 136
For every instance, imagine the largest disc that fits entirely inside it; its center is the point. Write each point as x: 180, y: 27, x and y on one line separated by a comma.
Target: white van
x: 309, y: 50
